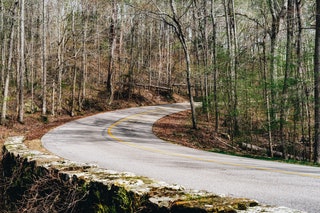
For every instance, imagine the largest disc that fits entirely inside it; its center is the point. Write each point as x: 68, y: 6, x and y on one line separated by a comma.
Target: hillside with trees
x: 253, y: 64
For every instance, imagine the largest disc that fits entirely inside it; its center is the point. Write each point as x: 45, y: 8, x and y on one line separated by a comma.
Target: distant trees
x: 7, y: 58
x: 251, y: 62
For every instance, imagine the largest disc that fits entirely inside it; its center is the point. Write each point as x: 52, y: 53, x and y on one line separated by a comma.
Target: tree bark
x: 61, y: 43
x: 316, y: 157
x: 276, y: 9
x: 74, y: 67
x: 214, y: 64
x: 82, y: 94
x: 3, y: 46
x: 22, y: 62
x: 112, y: 46
x: 44, y: 60
x: 284, y: 96
x: 231, y: 31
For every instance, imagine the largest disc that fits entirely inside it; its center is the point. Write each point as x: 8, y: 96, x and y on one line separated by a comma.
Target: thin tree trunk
x: 316, y: 157
x: 267, y: 97
x: 160, y: 45
x: 22, y: 61
x: 299, y: 112
x: 60, y: 64
x: 44, y: 60
x: 84, y: 59
x: 234, y: 72
x: 214, y: 61
x: 32, y: 70
x: 73, y: 96
x: 181, y: 36
x: 232, y: 65
x: 53, y: 95
x: 112, y: 46
x: 150, y: 55
x: 132, y: 62
x: 74, y: 68
x: 168, y: 58
x: 3, y: 46
x: 277, y: 14
x: 99, y: 51
x: 290, y: 16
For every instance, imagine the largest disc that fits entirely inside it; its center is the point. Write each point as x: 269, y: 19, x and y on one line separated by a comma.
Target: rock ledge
x: 112, y: 191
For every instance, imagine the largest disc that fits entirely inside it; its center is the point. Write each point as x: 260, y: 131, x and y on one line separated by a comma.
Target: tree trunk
x: 61, y: 41
x: 317, y: 86
x: 267, y: 99
x: 182, y: 39
x: 284, y: 96
x: 82, y: 94
x: 22, y: 62
x: 73, y: 96
x: 112, y: 46
x: 234, y: 73
x: 3, y: 47
x: 32, y: 69
x: 231, y: 32
x: 276, y: 9
x: 299, y: 114
x: 132, y: 61
x: 214, y: 63
x: 74, y: 68
x: 44, y: 60
x: 53, y: 99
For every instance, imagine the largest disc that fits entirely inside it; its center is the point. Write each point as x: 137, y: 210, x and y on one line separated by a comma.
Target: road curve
x: 122, y: 140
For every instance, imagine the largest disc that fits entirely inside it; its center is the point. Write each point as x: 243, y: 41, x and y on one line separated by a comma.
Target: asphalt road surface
x: 123, y: 141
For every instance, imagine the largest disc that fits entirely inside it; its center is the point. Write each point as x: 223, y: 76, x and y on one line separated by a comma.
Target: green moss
x: 213, y: 204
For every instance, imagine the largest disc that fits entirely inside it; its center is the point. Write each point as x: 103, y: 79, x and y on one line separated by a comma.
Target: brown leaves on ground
x: 177, y: 128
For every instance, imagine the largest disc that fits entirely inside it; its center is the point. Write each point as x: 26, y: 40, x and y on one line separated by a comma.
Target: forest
x: 253, y: 64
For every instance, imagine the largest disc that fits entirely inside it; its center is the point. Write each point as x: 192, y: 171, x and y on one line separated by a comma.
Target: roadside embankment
x: 33, y: 181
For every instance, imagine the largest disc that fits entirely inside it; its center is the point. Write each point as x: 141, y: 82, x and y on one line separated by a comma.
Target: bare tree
x: 174, y: 19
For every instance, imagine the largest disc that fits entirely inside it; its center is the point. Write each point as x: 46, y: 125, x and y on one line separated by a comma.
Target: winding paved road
x: 122, y: 140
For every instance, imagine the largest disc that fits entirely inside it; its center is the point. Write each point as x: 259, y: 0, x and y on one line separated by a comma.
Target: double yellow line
x: 111, y: 127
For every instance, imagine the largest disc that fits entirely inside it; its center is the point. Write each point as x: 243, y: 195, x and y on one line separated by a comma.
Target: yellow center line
x: 109, y: 130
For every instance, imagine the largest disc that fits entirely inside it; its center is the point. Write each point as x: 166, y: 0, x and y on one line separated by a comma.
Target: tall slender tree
x: 214, y: 63
x: 174, y: 19
x: 317, y: 85
x: 277, y: 10
x: 112, y: 47
x: 22, y: 62
x: 44, y: 59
